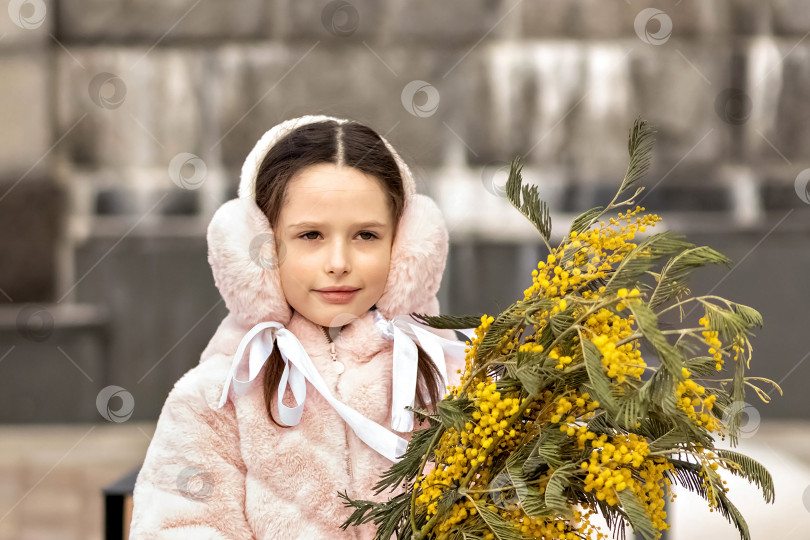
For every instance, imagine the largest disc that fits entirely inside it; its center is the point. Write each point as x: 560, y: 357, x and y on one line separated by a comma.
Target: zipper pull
x: 339, y: 367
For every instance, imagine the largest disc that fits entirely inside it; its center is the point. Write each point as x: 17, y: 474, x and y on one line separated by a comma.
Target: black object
x: 115, y: 496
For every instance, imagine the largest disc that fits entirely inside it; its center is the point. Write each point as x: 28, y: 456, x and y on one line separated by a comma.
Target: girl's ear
x: 244, y: 260
x: 418, y: 258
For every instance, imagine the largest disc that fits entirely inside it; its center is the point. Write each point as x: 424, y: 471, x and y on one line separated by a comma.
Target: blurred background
x: 125, y: 124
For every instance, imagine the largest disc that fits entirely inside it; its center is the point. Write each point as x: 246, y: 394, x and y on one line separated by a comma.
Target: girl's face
x: 335, y: 230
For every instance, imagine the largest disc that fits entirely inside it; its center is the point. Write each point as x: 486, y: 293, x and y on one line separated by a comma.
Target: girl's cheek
x: 374, y: 264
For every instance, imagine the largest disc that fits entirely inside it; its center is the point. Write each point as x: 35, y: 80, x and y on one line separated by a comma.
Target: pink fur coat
x: 229, y: 472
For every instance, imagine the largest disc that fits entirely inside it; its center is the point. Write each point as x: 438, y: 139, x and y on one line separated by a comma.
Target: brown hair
x: 350, y: 144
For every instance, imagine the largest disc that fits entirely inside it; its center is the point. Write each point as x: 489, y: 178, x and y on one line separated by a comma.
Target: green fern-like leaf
x: 660, y: 390
x: 701, y: 366
x: 535, y: 378
x: 600, y: 384
x: 749, y: 315
x: 556, y: 499
x: 630, y: 409
x: 562, y: 321
x: 510, y: 320
x: 531, y: 499
x: 447, y: 499
x: 642, y: 257
x: 362, y: 510
x: 422, y: 415
x: 641, y: 522
x: 603, y: 423
x: 724, y: 505
x: 674, y: 277
x: 527, y: 200
x: 730, y: 322
x: 584, y: 221
x: 452, y: 322
x: 647, y: 321
x: 729, y: 511
x: 456, y: 411
x: 390, y: 517
x: 688, y: 475
x: 639, y: 147
x: 501, y: 528
x: 750, y: 469
x: 406, y: 469
x: 546, y: 451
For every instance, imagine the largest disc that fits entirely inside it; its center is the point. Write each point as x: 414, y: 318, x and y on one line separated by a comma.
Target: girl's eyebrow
x: 365, y: 224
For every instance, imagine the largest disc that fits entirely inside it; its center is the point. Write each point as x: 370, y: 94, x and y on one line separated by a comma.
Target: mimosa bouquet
x: 578, y: 400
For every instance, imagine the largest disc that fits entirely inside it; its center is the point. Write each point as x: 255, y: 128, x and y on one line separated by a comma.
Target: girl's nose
x: 338, y: 258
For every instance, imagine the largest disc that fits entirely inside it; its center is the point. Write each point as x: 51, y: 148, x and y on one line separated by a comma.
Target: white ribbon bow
x: 299, y: 368
x: 403, y: 330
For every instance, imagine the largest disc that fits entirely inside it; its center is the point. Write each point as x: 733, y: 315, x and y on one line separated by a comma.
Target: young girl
x: 301, y: 392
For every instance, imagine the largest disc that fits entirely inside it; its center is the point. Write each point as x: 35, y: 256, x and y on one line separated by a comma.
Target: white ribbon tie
x: 299, y: 368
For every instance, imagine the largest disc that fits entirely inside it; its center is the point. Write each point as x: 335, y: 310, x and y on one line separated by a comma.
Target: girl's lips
x: 334, y: 297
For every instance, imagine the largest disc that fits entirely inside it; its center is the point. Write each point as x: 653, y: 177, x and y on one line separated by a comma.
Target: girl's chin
x: 332, y: 315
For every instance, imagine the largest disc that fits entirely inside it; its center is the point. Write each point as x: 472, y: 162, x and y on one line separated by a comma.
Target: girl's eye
x: 306, y: 236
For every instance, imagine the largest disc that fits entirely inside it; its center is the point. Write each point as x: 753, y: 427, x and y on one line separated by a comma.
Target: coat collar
x: 358, y: 340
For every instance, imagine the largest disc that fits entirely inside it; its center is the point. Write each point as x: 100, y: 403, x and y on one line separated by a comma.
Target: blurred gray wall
x: 126, y: 123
